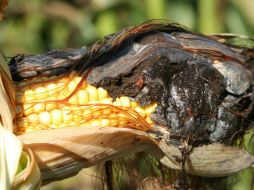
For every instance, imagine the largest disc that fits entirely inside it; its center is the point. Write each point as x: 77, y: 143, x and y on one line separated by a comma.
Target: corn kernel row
x: 59, y: 104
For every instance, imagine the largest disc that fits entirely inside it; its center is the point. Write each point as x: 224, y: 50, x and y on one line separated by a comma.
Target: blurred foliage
x: 3, y: 5
x: 40, y: 25
x: 31, y: 27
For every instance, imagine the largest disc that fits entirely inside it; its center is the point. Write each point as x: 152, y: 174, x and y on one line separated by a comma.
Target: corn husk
x: 7, y: 97
x: 213, y: 160
x: 63, y: 152
x: 28, y: 176
x: 18, y: 167
x: 10, y: 151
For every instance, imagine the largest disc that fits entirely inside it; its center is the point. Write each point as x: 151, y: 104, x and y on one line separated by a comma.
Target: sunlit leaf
x: 10, y: 151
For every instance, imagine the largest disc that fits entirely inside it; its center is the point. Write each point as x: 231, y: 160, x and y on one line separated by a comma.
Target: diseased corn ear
x: 70, y: 101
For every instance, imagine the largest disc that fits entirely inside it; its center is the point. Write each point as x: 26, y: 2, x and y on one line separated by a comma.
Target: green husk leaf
x: 10, y: 152
x: 28, y: 176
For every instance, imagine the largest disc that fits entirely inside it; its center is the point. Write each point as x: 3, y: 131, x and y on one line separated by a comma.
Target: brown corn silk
x: 67, y: 100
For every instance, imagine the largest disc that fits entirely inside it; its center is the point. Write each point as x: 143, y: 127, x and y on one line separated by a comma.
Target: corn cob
x: 70, y: 101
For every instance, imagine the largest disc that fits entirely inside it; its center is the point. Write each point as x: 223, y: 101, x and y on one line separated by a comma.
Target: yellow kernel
x: 62, y: 95
x: 96, y: 110
x: 72, y: 86
x: 134, y: 104
x: 56, y: 116
x: 150, y: 108
x: 60, y: 106
x: 95, y: 123
x: 125, y: 101
x: 28, y: 109
x: 114, y: 123
x: 40, y: 93
x: 45, y: 118
x: 72, y: 124
x: 77, y: 117
x: 51, y: 106
x: 148, y: 120
x: 40, y: 107
x: 106, y: 110
x: 29, y: 129
x: 92, y: 93
x: 51, y: 89
x: 82, y: 97
x: 102, y: 93
x: 117, y: 102
x: 87, y: 113
x: 29, y: 95
x: 122, y: 120
x: 33, y: 119
x: 141, y: 111
x: 73, y: 99
x: 53, y: 126
x: 62, y: 81
x: 62, y: 125
x: 106, y: 101
x: 85, y: 124
x: 77, y: 79
x: 67, y: 115
x: 60, y: 86
x: 105, y: 122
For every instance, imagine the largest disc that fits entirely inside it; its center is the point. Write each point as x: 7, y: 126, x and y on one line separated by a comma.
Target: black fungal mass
x: 203, y: 88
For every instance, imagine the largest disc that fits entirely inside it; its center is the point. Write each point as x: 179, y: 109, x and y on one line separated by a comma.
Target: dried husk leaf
x: 7, y: 97
x: 217, y: 160
x: 63, y: 152
x: 213, y: 160
x: 11, y: 147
